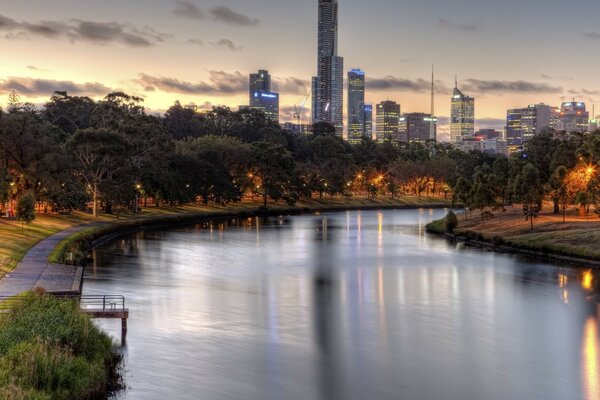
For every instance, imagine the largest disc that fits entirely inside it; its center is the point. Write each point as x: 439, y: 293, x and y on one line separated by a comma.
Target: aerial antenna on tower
x: 455, y: 81
x: 432, y: 123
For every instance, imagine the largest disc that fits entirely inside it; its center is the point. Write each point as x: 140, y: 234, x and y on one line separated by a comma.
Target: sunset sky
x: 506, y: 53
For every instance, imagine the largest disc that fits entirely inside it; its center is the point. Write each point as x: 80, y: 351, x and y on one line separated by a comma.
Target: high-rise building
x: 573, y: 117
x: 388, y: 117
x: 268, y: 102
x: 328, y: 85
x: 418, y: 127
x: 356, y: 105
x: 260, y: 82
x: 462, y: 120
x: 524, y: 123
x: 368, y: 111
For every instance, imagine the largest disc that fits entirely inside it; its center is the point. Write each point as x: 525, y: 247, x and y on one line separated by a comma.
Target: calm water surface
x: 343, y: 306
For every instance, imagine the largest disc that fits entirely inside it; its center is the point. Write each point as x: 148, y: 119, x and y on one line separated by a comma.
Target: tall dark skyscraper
x: 356, y: 105
x: 261, y: 96
x: 328, y: 85
x: 260, y: 82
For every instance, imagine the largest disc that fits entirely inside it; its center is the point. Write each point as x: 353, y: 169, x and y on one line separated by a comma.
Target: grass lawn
x: 579, y: 236
x: 15, y: 241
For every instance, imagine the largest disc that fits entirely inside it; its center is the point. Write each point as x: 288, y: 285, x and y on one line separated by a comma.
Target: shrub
x: 49, y: 349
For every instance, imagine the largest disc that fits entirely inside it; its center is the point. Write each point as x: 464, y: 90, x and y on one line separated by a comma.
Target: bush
x: 451, y: 222
x: 49, y: 349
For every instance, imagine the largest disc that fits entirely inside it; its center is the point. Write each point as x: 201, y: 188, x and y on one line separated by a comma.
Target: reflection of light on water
x: 563, y: 280
x: 591, y: 350
x: 587, y: 280
x: 380, y: 234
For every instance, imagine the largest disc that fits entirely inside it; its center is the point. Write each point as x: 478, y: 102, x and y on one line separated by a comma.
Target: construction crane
x: 298, y: 111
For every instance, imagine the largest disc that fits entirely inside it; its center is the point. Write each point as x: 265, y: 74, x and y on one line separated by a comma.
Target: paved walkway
x: 34, y: 271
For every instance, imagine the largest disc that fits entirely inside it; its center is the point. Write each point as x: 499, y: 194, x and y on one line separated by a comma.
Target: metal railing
x: 88, y: 303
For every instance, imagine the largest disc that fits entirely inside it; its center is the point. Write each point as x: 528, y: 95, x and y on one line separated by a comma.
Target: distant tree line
x: 110, y: 155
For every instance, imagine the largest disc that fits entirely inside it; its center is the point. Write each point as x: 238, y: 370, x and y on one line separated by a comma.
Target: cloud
x: 197, y: 42
x: 464, y: 27
x: 188, y: 9
x: 45, y: 87
x: 407, y: 85
x: 549, y: 77
x: 592, y: 35
x: 86, y: 31
x: 220, y: 83
x: 224, y: 14
x: 227, y: 44
x: 291, y: 85
x: 482, y: 86
x: 228, y: 16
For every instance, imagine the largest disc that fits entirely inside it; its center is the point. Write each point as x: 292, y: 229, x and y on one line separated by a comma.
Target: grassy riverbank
x: 578, y: 237
x: 50, y: 350
x: 15, y: 241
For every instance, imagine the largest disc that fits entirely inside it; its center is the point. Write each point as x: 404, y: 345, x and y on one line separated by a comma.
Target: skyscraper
x: 524, y: 123
x: 462, y: 119
x: 573, y: 117
x: 388, y: 117
x: 356, y: 105
x: 261, y: 96
x: 268, y: 102
x: 368, y: 111
x: 418, y: 127
x: 260, y: 82
x: 328, y: 85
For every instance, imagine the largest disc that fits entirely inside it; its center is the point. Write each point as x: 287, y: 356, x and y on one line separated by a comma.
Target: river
x: 343, y: 306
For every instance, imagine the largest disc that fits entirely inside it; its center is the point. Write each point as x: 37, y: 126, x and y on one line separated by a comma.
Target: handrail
x: 91, y: 303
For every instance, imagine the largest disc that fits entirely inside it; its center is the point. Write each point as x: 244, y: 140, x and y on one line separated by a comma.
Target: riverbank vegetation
x: 50, y: 350
x: 111, y: 156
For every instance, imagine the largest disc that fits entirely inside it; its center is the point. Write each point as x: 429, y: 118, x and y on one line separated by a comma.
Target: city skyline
x: 204, y: 52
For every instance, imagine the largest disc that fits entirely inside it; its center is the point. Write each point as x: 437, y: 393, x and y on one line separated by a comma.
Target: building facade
x: 368, y: 118
x: 462, y: 118
x: 268, y: 102
x: 388, y: 118
x: 356, y: 105
x: 418, y: 128
x: 259, y: 82
x: 328, y: 85
x: 573, y: 117
x: 524, y: 123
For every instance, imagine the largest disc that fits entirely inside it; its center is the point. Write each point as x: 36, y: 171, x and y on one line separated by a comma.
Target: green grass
x: 49, y: 349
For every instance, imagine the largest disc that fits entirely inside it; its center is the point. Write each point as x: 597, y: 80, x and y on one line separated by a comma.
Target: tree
x: 25, y: 211
x: 99, y: 153
x: 559, y: 190
x: 582, y: 200
x: 462, y: 192
x: 529, y: 190
x: 273, y: 166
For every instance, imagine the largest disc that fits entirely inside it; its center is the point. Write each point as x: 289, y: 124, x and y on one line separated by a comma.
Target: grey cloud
x: 197, y: 42
x: 291, y: 85
x: 481, y: 86
x: 88, y: 31
x: 228, y: 16
x: 43, y: 87
x: 188, y: 9
x: 407, y: 85
x: 549, y: 77
x: 465, y: 27
x: 592, y: 35
x: 228, y: 44
x: 224, y: 14
x: 220, y: 83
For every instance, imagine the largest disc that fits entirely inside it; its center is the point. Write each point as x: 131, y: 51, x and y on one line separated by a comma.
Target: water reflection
x: 355, y: 305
